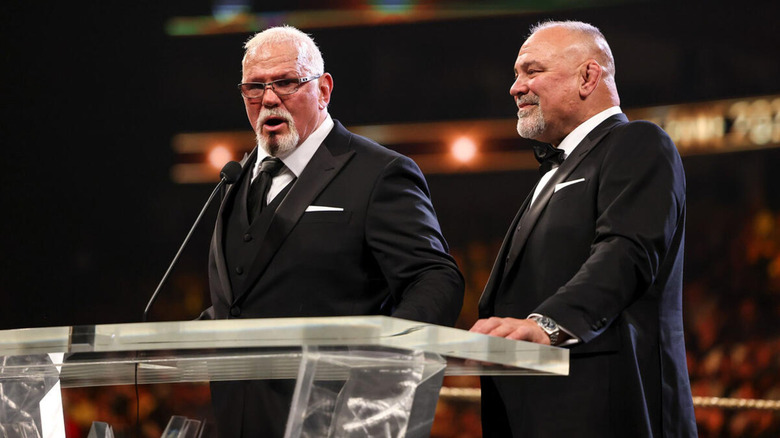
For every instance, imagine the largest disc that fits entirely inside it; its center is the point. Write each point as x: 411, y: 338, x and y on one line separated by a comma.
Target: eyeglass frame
x: 301, y: 81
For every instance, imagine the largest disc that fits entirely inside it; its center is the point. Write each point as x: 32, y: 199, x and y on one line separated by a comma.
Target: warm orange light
x: 464, y: 149
x: 219, y: 155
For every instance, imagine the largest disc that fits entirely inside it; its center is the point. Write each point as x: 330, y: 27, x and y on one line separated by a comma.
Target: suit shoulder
x: 643, y: 134
x: 370, y: 147
x: 367, y: 151
x: 374, y: 155
x: 641, y: 129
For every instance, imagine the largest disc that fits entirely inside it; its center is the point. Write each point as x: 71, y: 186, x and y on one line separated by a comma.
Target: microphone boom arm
x: 229, y: 175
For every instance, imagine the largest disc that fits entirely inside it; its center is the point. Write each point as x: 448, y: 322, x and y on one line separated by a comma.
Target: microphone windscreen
x: 230, y: 172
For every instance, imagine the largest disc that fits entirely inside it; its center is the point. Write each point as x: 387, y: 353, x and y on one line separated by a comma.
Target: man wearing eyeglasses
x: 322, y: 222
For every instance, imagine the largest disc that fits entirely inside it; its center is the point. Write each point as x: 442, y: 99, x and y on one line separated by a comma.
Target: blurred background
x: 116, y: 117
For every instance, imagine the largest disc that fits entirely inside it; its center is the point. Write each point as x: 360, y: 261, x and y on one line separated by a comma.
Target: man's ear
x: 590, y: 76
x: 325, y: 82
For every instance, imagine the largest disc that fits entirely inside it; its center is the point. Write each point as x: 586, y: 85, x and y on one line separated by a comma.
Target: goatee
x: 276, y: 145
x: 530, y: 122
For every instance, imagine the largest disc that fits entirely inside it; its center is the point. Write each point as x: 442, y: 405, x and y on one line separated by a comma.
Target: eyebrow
x: 286, y: 75
x: 525, y: 65
x: 530, y: 63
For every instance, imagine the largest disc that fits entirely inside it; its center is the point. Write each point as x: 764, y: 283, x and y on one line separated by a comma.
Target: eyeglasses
x: 282, y: 87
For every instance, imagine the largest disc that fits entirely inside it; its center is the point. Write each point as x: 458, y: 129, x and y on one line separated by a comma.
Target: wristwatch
x: 549, y: 326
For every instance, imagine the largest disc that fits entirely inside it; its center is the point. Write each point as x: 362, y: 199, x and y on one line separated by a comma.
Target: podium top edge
x: 276, y: 333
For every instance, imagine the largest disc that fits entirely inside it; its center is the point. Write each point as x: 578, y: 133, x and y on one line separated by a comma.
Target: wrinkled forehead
x: 551, y: 44
x: 272, y: 57
x: 552, y: 38
x: 533, y: 51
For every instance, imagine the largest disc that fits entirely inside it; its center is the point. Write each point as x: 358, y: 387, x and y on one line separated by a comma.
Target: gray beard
x: 278, y: 145
x: 531, y: 125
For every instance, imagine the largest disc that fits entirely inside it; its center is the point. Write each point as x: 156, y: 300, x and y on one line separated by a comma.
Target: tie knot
x: 271, y: 165
x: 547, y: 156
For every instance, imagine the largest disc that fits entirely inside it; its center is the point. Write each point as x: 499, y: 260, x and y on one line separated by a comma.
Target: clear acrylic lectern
x: 355, y: 376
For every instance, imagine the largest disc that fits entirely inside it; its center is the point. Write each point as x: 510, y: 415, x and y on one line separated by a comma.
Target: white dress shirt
x: 571, y: 141
x: 296, y: 161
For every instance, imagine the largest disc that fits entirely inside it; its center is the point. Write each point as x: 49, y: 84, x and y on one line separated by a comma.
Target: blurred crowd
x: 732, y: 304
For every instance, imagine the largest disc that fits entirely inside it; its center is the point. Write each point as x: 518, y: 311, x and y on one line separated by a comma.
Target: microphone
x: 229, y: 174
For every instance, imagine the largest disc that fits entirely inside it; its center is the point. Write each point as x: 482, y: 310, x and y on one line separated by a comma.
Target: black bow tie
x: 547, y: 156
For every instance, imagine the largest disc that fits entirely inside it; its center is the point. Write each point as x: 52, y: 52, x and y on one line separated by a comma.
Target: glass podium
x: 354, y: 376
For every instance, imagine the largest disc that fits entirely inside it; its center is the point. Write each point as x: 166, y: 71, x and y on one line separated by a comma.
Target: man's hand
x: 512, y: 328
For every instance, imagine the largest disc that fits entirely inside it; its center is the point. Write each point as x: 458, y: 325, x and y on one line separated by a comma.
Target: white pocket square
x: 567, y: 183
x: 323, y: 208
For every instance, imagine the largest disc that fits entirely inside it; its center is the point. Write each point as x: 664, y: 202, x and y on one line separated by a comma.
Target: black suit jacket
x: 601, y: 254
x: 383, y: 254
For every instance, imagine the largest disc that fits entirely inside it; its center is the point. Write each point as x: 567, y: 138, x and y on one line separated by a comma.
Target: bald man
x: 594, y: 259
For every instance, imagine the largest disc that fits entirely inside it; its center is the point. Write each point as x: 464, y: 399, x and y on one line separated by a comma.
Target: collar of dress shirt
x: 297, y: 160
x: 574, y: 138
x: 571, y: 141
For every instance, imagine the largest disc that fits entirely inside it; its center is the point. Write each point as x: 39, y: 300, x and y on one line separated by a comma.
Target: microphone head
x: 230, y: 172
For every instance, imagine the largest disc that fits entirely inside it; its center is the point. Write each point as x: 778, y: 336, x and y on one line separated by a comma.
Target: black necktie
x: 258, y: 191
x: 547, y: 156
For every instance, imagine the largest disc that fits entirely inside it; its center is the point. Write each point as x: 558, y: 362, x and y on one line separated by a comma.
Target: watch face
x: 548, y: 324
x: 550, y: 327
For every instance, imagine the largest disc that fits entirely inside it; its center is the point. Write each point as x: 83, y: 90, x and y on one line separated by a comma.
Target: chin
x: 278, y: 145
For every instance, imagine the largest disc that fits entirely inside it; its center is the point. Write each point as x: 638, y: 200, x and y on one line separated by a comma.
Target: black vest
x: 243, y: 241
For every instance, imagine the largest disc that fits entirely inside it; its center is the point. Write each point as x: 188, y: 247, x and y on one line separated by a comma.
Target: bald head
x: 564, y: 75
x: 589, y: 40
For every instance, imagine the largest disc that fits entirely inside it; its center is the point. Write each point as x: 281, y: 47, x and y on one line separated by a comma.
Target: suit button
x: 598, y: 325
x: 239, y: 270
x: 235, y: 311
x: 247, y: 237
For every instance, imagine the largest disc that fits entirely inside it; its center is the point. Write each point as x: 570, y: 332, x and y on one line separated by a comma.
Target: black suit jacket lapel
x: 515, y: 241
x: 324, y: 165
x: 219, y: 227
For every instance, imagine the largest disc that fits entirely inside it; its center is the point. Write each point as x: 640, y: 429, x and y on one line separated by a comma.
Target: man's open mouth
x: 273, y: 123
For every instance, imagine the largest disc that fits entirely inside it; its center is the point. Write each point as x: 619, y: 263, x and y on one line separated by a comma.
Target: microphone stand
x: 229, y: 175
x: 181, y: 248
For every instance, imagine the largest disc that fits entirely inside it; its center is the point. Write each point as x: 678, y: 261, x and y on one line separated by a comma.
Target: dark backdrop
x: 94, y: 91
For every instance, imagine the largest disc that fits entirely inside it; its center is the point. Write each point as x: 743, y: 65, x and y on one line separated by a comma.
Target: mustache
x: 527, y: 99
x: 267, y: 113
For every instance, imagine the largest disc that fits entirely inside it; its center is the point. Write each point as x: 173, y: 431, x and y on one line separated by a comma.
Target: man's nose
x: 270, y: 98
x: 519, y: 87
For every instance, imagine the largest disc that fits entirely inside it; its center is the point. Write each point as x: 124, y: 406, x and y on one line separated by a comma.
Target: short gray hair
x: 596, y: 39
x: 309, y: 56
